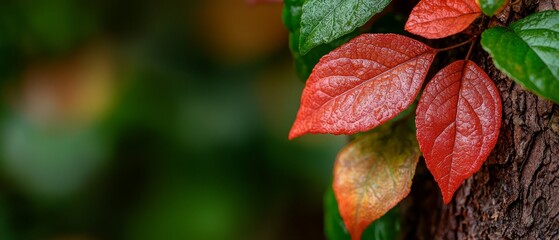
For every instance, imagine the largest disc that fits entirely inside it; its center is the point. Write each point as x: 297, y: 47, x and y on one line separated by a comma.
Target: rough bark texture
x: 516, y: 193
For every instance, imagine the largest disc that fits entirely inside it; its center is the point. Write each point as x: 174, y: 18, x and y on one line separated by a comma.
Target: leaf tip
x: 292, y: 136
x: 356, y: 235
x: 295, y: 131
x: 447, y: 197
x: 356, y: 230
x: 448, y: 190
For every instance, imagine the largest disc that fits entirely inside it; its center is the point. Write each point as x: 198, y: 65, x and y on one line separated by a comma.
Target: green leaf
x: 323, y: 21
x: 334, y: 226
x: 385, y: 228
x: 492, y: 7
x: 304, y: 63
x: 528, y: 52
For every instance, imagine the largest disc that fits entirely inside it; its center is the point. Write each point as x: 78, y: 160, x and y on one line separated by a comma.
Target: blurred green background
x: 154, y: 120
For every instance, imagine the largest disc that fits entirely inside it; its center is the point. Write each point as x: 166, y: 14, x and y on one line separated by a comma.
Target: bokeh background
x: 154, y: 120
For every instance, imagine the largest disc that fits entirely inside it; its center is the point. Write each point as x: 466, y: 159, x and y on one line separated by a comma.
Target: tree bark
x: 515, y: 195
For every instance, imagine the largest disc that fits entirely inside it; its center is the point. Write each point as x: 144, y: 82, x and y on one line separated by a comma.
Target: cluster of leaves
x: 365, y: 83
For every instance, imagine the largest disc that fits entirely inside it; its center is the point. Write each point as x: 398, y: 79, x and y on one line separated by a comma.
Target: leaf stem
x: 455, y: 46
x: 471, y: 48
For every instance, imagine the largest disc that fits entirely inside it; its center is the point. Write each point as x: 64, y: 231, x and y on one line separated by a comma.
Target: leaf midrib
x: 458, y: 105
x: 314, y: 113
x: 443, y: 18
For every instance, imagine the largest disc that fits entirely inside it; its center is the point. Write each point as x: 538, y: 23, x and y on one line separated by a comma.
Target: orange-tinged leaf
x: 441, y: 18
x: 362, y: 84
x: 458, y: 120
x: 373, y: 173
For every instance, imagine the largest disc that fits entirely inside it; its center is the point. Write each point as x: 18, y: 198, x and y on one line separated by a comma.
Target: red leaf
x: 458, y: 120
x: 362, y: 84
x: 441, y: 18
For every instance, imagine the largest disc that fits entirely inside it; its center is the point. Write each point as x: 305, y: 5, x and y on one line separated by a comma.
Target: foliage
x: 373, y: 173
x: 492, y: 7
x: 373, y: 66
x: 372, y: 78
x: 325, y: 20
x: 305, y: 62
x: 441, y: 18
x: 534, y: 63
x: 458, y: 120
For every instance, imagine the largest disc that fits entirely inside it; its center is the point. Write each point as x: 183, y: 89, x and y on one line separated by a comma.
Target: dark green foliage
x: 491, y: 7
x: 304, y: 63
x: 323, y: 21
x: 528, y: 52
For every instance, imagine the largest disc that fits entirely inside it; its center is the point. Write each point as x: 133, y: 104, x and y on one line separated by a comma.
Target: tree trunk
x: 515, y: 195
